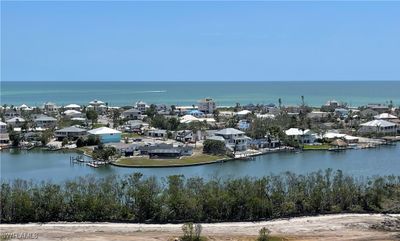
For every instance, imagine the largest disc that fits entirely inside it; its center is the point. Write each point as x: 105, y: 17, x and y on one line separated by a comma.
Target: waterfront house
x: 72, y: 133
x: 44, y: 121
x: 303, y: 136
x: 264, y: 143
x: 378, y: 126
x: 15, y: 122
x: 132, y: 114
x: 235, y: 140
x: 207, y: 105
x: 106, y: 135
x: 168, y: 151
x: 4, y: 137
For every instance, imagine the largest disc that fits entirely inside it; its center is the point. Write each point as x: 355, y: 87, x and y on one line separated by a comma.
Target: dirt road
x: 326, y: 227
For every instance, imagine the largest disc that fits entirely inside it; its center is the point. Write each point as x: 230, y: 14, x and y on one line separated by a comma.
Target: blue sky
x: 199, y: 41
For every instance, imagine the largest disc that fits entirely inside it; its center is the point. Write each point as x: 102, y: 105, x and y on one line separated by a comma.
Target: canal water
x: 42, y: 166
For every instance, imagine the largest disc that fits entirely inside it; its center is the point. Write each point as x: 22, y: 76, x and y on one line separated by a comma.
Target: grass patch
x: 131, y: 135
x: 85, y: 150
x: 187, y: 160
x: 316, y: 147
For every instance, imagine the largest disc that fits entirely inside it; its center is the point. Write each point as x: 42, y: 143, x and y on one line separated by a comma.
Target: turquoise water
x: 39, y: 165
x: 187, y: 93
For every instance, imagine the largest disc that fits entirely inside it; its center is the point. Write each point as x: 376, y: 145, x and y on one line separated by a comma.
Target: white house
x: 3, y: 127
x: 106, y: 134
x: 72, y: 113
x: 385, y: 116
x: 206, y: 105
x: 73, y: 107
x: 235, y: 140
x: 378, y: 126
x: 16, y: 121
x: 45, y: 121
x: 303, y: 136
x: 71, y: 132
x: 243, y: 113
x: 132, y: 114
x: 141, y: 106
x: 50, y: 107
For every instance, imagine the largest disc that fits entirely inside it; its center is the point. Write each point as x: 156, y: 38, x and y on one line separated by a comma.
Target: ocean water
x: 316, y: 93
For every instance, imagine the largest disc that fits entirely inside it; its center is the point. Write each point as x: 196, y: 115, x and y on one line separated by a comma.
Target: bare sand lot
x: 325, y: 227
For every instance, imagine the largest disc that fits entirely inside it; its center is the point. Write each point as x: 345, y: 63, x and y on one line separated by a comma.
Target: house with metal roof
x: 106, y: 135
x: 235, y: 140
x: 303, y: 136
x: 72, y: 133
x: 16, y: 121
x: 44, y: 121
x: 379, y: 126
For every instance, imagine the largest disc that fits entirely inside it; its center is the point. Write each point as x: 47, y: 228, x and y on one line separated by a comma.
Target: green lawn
x: 131, y: 135
x: 316, y: 147
x: 145, y: 161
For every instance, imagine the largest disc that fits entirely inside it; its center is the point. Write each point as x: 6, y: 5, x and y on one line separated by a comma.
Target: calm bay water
x: 39, y: 165
x: 316, y: 93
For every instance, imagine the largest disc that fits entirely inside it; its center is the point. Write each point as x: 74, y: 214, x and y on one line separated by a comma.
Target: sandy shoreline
x: 325, y: 227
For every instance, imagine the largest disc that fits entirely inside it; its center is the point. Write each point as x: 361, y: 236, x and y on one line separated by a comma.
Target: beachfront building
x: 378, y: 126
x: 72, y: 133
x: 50, y: 107
x: 303, y: 136
x: 72, y: 107
x: 106, y: 135
x: 235, y: 140
x: 206, y: 105
x: 15, y: 122
x: 45, y: 121
x: 141, y: 106
x: 24, y: 107
x: 97, y: 105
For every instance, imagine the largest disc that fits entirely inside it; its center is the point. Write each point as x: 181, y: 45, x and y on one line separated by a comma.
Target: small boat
x: 92, y: 165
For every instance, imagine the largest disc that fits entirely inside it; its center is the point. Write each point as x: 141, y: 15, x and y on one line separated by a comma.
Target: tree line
x: 135, y: 198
